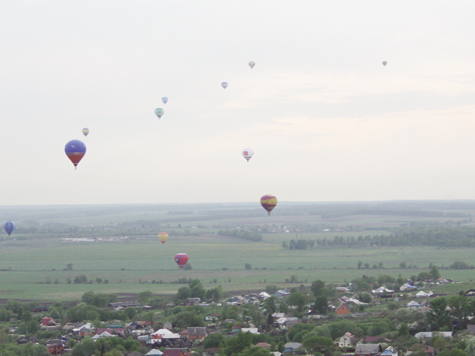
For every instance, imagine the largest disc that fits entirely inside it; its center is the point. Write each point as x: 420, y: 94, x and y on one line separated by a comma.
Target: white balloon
x: 247, y: 153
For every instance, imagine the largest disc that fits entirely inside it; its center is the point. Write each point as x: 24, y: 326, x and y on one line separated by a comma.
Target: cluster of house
x: 368, y: 347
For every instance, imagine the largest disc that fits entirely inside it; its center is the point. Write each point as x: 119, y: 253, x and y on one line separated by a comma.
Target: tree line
x: 439, y: 236
x: 242, y: 234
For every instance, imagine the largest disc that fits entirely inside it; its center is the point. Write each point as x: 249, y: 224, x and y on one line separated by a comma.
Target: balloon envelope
x: 384, y: 63
x: 224, y: 85
x: 247, y: 153
x: 252, y: 64
x: 181, y: 259
x: 164, y: 99
x: 85, y: 131
x: 9, y: 226
x: 163, y: 236
x: 268, y: 202
x: 159, y: 112
x: 75, y: 150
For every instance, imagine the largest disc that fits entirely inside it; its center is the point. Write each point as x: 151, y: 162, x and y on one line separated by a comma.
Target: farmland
x: 127, y: 254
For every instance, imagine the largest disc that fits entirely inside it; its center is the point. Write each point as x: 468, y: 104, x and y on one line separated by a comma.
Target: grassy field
x: 126, y: 263
x: 34, y: 268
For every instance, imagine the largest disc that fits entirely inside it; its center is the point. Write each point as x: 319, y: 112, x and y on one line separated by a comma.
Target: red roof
x: 264, y: 345
x: 173, y: 353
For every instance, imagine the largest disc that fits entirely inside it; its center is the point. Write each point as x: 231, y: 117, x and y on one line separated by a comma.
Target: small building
x: 55, y: 346
x: 368, y: 350
x: 264, y: 345
x: 413, y: 304
x: 390, y: 351
x: 193, y: 301
x: 430, y: 334
x: 346, y: 340
x: 250, y: 330
x: 342, y: 309
x: 292, y: 347
x: 196, y: 333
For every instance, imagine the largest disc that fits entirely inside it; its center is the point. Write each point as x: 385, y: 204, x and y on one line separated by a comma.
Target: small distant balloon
x: 247, y: 153
x: 384, y: 63
x: 164, y: 99
x: 181, y: 259
x: 85, y: 131
x: 268, y: 202
x: 163, y: 237
x: 75, y: 150
x: 9, y: 226
x: 159, y: 112
x: 252, y: 64
x: 224, y: 85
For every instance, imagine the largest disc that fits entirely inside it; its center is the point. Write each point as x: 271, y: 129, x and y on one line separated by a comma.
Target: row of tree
x: 242, y: 234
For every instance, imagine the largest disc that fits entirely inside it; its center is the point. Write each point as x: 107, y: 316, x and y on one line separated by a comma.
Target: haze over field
x: 327, y: 121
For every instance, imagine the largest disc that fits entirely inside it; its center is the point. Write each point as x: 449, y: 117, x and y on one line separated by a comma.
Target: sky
x: 326, y: 120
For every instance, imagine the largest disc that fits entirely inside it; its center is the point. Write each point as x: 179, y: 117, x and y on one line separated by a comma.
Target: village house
x: 264, y: 345
x: 196, y: 333
x: 55, y: 346
x: 390, y: 351
x: 292, y: 347
x: 154, y: 352
x: 430, y: 334
x: 345, y: 340
x: 368, y: 350
x: 342, y: 310
x: 193, y: 301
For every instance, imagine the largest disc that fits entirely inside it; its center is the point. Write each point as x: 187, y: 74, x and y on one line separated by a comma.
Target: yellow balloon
x: 163, y: 236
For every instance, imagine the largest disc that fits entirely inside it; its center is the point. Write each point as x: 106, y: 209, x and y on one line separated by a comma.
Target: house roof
x: 371, y: 338
x: 367, y: 349
x: 293, y: 345
x: 175, y: 352
x: 264, y: 345
x: 250, y: 330
x: 197, y: 331
x: 429, y: 334
x: 154, y: 352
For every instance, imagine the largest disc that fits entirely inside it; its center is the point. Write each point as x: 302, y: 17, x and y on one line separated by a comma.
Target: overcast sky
x: 327, y: 121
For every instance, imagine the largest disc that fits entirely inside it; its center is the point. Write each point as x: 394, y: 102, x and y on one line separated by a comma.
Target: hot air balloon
x: 268, y: 202
x: 252, y: 64
x: 247, y: 153
x: 9, y: 226
x: 85, y: 131
x: 384, y: 63
x: 163, y: 236
x: 224, y: 85
x: 75, y: 150
x: 181, y: 259
x: 165, y: 99
x: 159, y: 112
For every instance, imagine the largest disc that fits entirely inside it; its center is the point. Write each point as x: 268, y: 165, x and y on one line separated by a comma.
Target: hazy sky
x: 326, y: 119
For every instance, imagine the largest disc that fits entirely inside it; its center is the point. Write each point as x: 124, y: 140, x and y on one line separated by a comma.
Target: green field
x: 34, y: 268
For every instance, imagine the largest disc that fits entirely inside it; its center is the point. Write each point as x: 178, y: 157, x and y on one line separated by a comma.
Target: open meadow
x: 34, y: 265
x: 34, y: 260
